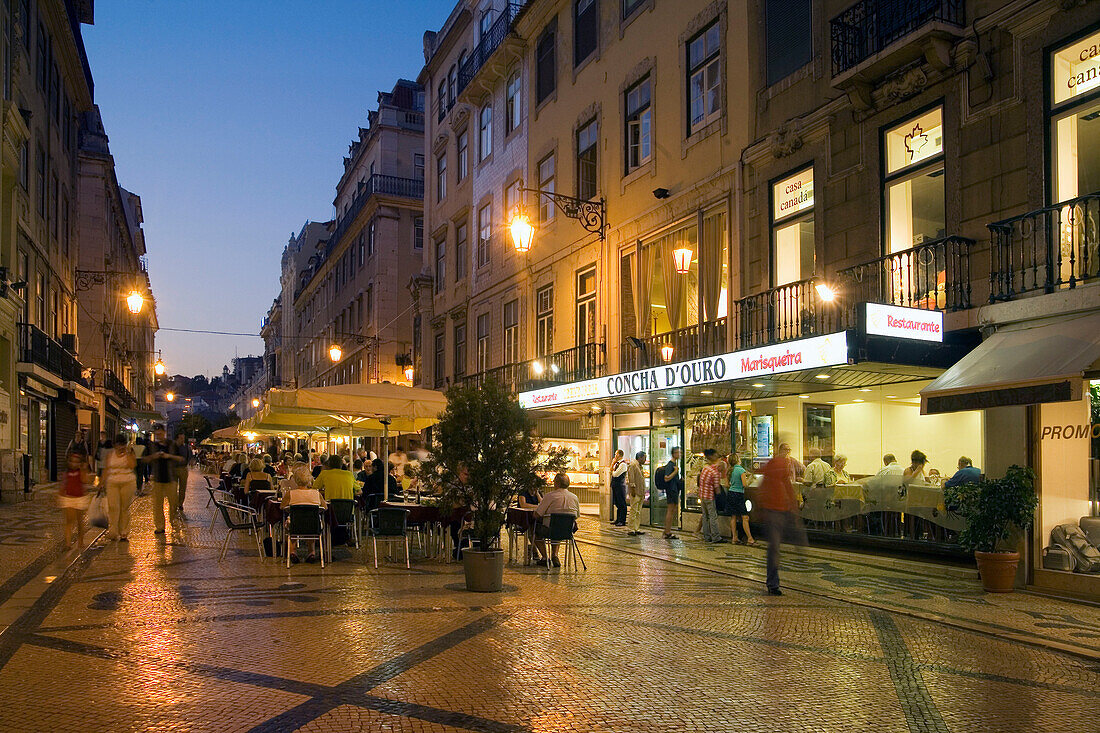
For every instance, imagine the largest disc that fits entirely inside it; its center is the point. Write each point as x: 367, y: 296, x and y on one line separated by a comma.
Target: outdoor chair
x: 217, y: 495
x: 238, y: 517
x: 346, y: 516
x: 389, y: 525
x: 210, y: 485
x: 562, y: 527
x: 305, y: 522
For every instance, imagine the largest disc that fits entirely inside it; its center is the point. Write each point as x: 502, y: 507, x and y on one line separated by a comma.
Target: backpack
x: 1086, y: 558
x: 658, y: 479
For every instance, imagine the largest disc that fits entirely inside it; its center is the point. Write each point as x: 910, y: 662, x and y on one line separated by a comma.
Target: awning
x: 142, y: 415
x: 1021, y: 364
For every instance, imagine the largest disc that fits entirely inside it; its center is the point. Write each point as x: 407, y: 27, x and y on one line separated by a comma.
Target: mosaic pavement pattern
x: 161, y: 636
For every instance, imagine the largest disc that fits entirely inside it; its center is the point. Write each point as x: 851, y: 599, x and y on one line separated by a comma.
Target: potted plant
x: 484, y: 452
x: 993, y: 509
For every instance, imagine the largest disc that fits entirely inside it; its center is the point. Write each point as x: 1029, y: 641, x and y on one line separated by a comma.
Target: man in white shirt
x: 559, y: 500
x: 816, y: 470
x: 635, y: 489
x: 618, y: 488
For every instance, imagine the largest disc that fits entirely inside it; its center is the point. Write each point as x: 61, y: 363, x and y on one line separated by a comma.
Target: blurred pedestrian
x: 182, y: 469
x: 163, y: 457
x: 139, y: 449
x: 119, y: 480
x: 73, y: 496
x: 778, y: 507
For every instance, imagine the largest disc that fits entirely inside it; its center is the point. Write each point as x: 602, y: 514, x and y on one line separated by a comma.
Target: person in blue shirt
x: 966, y: 474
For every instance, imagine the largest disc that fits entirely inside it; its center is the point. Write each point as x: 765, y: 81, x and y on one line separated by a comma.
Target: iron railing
x: 488, y: 45
x: 39, y: 349
x: 934, y: 275
x: 784, y: 313
x: 113, y: 384
x: 570, y: 365
x: 692, y: 342
x: 377, y: 184
x: 869, y: 26
x: 1045, y: 250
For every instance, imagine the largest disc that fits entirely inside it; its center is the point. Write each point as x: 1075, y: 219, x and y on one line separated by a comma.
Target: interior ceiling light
x: 803, y: 397
x: 758, y: 385
x: 865, y: 389
x: 821, y: 376
x: 858, y: 400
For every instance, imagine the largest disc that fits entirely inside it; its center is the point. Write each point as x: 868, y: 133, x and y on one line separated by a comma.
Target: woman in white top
x: 302, y: 494
x: 120, y: 485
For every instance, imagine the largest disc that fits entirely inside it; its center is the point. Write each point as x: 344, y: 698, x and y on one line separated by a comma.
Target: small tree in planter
x: 485, y: 436
x: 993, y: 508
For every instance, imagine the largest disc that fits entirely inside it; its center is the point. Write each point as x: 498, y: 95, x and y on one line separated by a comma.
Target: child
x: 73, y: 498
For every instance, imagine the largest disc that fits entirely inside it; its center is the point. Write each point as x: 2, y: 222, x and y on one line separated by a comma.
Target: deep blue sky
x: 230, y: 119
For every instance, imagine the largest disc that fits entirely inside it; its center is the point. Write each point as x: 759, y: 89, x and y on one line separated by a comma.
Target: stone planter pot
x: 484, y: 570
x: 998, y: 570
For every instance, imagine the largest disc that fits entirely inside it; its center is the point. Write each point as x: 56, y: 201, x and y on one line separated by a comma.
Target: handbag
x: 97, y: 511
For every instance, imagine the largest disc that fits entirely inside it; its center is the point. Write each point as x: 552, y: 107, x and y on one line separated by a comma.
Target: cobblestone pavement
x: 161, y: 636
x: 920, y: 588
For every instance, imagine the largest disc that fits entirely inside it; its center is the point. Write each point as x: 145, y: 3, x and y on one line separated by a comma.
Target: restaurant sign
x: 906, y: 323
x: 811, y: 353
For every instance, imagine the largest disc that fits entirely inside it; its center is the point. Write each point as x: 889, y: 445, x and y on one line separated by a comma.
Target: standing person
x: 182, y: 470
x: 778, y: 505
x: 79, y: 443
x: 118, y: 477
x: 635, y: 487
x: 739, y: 480
x: 673, y: 484
x: 73, y: 498
x: 163, y: 457
x: 618, y: 488
x: 139, y: 448
x: 708, y: 485
x: 102, y: 447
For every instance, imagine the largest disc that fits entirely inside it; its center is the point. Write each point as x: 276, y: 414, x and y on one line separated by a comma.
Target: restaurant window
x: 511, y: 332
x: 704, y: 78
x: 463, y: 155
x: 793, y: 228
x: 440, y: 264
x: 586, y: 306
x: 546, y: 63
x: 586, y: 29
x: 544, y: 320
x: 460, y: 350
x: 513, y: 103
x: 914, y: 181
x: 485, y: 234
x: 439, y: 360
x: 587, y: 141
x: 1075, y: 119
x: 461, y: 254
x: 546, y: 183
x: 418, y: 233
x: 483, y: 342
x: 639, y: 125
x: 788, y: 35
x: 441, y: 177
x: 485, y: 132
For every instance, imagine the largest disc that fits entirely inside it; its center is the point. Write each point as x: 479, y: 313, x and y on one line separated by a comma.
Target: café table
x: 427, y: 516
x: 520, y: 521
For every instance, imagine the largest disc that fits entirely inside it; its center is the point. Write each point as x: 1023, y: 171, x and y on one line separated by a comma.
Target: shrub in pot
x: 484, y: 452
x: 994, y: 509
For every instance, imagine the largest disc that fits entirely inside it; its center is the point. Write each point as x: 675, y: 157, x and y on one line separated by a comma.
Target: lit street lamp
x: 667, y: 351
x: 135, y: 301
x: 681, y: 256
x: 159, y: 368
x: 592, y: 215
x: 170, y: 396
x: 335, y: 352
x: 255, y: 402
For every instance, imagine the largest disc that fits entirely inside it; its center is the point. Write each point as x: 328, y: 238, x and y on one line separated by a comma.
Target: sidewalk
x: 919, y: 588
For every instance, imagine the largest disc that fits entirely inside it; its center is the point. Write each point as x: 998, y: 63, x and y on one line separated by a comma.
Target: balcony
x: 114, y: 385
x: 689, y: 343
x: 571, y: 365
x: 933, y: 276
x: 38, y: 349
x: 1053, y: 248
x: 498, y: 35
x: 378, y: 184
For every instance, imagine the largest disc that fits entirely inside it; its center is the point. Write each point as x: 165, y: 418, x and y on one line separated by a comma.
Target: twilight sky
x: 230, y: 120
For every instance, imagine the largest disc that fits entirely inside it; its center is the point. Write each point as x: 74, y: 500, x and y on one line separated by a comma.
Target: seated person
x: 268, y: 468
x: 302, y: 495
x: 816, y: 471
x: 559, y: 500
x: 967, y: 474
x: 256, y: 479
x: 528, y: 498
x: 334, y: 482
x: 915, y: 472
x: 839, y: 463
x: 320, y: 465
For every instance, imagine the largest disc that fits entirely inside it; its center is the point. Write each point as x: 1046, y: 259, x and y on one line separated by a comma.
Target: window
x: 40, y: 301
x: 441, y: 99
x: 66, y: 231
x: 1075, y: 120
x: 452, y: 83
x: 513, y: 196
x: 704, y: 78
x: 512, y: 103
x: 793, y: 228
x: 485, y: 132
x: 440, y: 177
x: 461, y: 253
x: 788, y: 36
x: 587, y: 138
x: 463, y: 155
x: 369, y: 300
x: 914, y: 181
x: 40, y: 180
x: 418, y: 233
x: 483, y: 342
x: 486, y: 24
x: 460, y: 350
x: 372, y: 228
x: 418, y: 167
x: 440, y: 264
x: 586, y: 306
x: 440, y: 359
x: 511, y: 332
x: 639, y: 125
x: 546, y: 183
x: 24, y: 164
x: 485, y: 234
x: 54, y: 197
x: 544, y: 320
x: 629, y: 6
x: 24, y: 275
x: 546, y: 63
x: 362, y: 249
x: 586, y: 29
x: 416, y: 345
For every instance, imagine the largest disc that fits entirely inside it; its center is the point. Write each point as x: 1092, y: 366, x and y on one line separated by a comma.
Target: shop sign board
x: 793, y: 194
x: 810, y: 353
x: 906, y: 323
x: 1075, y: 69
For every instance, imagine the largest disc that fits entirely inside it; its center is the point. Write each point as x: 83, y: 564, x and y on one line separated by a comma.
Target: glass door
x: 663, y: 439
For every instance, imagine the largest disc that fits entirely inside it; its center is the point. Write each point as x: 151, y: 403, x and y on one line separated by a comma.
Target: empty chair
x: 346, y: 516
x: 561, y: 532
x: 237, y: 517
x: 389, y: 524
x: 305, y: 522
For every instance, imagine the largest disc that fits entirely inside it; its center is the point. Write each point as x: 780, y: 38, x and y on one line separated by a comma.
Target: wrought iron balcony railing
x: 40, y: 350
x: 113, y: 384
x: 934, y: 276
x: 488, y: 45
x: 1045, y: 250
x: 869, y: 26
x: 379, y: 184
x: 570, y: 365
x: 692, y: 342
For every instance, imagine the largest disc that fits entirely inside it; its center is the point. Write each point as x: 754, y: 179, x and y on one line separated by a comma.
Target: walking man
x: 673, y: 484
x: 778, y: 505
x: 635, y: 487
x: 618, y: 488
x: 182, y: 470
x: 708, y: 484
x: 163, y: 456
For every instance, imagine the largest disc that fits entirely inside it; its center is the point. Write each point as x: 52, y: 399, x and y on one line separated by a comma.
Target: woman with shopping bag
x: 120, y: 484
x: 73, y: 497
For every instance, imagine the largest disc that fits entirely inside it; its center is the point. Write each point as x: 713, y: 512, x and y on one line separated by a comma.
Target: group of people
x: 118, y: 469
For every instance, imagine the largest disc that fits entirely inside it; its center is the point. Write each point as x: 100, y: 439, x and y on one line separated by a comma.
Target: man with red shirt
x: 778, y: 507
x: 708, y: 484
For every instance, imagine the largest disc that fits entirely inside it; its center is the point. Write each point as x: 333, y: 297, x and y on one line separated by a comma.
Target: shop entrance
x: 662, y: 439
